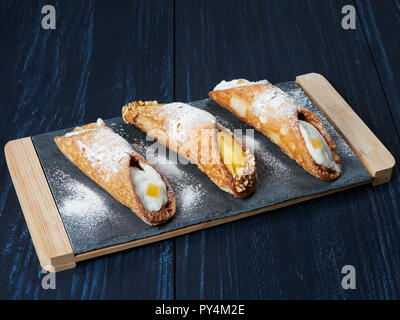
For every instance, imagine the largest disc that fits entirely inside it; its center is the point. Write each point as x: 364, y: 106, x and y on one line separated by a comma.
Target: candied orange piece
x: 153, y: 190
x: 316, y: 143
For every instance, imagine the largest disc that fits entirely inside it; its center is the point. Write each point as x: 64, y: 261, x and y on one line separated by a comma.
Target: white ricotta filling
x: 321, y: 155
x: 141, y: 179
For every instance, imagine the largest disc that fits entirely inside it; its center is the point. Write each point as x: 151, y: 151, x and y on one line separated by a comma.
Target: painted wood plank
x: 380, y: 21
x: 296, y: 252
x: 100, y: 56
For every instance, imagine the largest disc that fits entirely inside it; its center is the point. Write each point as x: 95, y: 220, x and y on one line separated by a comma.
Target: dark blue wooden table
x: 103, y: 54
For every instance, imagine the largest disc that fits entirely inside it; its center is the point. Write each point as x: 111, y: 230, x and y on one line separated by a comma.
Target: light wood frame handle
x: 47, y: 230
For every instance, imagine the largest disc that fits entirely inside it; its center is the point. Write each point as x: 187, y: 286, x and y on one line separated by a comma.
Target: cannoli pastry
x: 109, y: 160
x: 296, y: 130
x: 196, y: 135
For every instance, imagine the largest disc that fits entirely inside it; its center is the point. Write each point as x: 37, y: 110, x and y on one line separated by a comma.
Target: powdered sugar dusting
x: 74, y: 133
x: 103, y: 148
x: 263, y: 154
x: 190, y: 195
x: 237, y: 83
x: 224, y: 122
x: 273, y: 102
x: 188, y: 191
x: 181, y: 117
x: 80, y: 204
x: 164, y: 163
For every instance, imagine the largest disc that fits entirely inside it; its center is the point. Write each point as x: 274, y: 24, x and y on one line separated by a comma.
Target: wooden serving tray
x: 53, y: 242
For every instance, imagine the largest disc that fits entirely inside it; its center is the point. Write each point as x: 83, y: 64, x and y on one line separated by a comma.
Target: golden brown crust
x: 194, y: 140
x: 111, y: 171
x: 279, y: 123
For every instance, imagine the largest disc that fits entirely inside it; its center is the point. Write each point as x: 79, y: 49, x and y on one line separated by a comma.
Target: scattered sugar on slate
x: 81, y: 204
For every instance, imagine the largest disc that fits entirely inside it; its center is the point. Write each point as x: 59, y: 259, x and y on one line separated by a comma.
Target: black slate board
x: 93, y: 219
